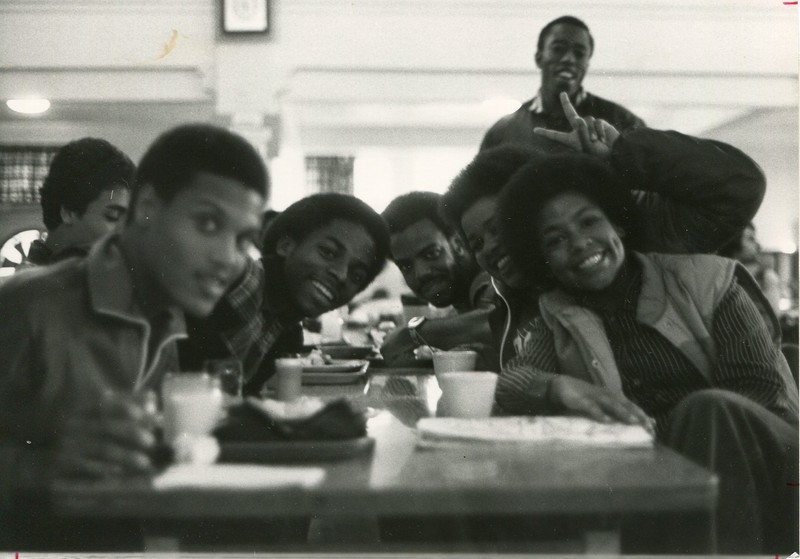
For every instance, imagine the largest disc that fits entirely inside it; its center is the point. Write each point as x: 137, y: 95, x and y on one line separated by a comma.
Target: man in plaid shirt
x: 317, y: 255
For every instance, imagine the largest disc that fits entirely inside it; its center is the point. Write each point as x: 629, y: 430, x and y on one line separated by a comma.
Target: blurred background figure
x: 84, y: 197
x: 746, y: 249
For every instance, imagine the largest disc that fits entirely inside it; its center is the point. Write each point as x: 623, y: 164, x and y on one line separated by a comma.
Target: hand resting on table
x: 575, y: 396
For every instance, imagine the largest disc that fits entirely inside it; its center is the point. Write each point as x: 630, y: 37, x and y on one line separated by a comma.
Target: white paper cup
x: 466, y: 393
x: 331, y: 326
x: 450, y: 361
x: 290, y: 378
x: 192, y: 405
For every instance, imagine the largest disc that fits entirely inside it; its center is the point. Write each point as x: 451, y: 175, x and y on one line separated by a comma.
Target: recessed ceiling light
x: 28, y: 106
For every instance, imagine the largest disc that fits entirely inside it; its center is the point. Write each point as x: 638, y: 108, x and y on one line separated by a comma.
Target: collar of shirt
x: 538, y: 108
x: 245, y: 299
x: 112, y: 290
x: 112, y: 286
x: 241, y: 321
x: 254, y: 319
x: 630, y: 300
x: 39, y: 253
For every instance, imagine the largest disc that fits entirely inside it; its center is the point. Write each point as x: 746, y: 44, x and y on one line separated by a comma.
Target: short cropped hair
x: 313, y: 212
x: 266, y: 220
x: 175, y: 158
x: 485, y: 175
x: 408, y: 209
x: 79, y: 172
x: 535, y: 184
x: 565, y: 20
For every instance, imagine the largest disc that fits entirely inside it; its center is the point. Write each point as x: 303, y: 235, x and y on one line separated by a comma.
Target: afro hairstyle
x: 485, y: 175
x: 536, y: 184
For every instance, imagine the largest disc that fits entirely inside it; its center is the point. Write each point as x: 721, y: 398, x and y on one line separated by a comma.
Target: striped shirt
x: 657, y: 376
x: 654, y: 373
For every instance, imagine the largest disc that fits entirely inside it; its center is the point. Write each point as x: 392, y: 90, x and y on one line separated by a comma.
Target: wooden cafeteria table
x: 597, y: 490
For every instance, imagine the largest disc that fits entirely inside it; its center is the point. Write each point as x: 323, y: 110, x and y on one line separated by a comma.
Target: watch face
x: 416, y: 321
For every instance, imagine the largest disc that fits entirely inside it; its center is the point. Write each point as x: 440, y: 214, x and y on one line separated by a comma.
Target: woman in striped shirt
x: 625, y: 336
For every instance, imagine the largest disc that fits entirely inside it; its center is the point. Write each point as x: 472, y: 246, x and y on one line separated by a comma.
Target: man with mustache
x: 318, y: 254
x: 437, y: 268
x: 563, y: 52
x: 83, y: 340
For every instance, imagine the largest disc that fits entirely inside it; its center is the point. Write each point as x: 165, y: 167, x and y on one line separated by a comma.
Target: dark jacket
x: 517, y: 127
x: 70, y: 332
x: 40, y: 254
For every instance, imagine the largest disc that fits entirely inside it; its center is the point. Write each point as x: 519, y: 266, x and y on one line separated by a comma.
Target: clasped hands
x: 110, y: 438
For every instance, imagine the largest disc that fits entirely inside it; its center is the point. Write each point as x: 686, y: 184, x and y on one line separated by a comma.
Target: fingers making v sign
x: 588, y: 135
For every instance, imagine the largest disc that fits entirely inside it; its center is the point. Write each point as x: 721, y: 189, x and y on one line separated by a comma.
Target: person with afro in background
x: 85, y: 196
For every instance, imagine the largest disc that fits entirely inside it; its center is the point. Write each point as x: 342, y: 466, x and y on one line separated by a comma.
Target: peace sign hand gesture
x: 588, y: 135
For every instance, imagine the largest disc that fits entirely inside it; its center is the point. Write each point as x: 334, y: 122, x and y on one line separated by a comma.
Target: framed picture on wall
x: 245, y: 16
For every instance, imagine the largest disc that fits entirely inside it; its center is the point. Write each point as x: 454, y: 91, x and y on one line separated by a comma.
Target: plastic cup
x: 331, y: 326
x: 290, y: 378
x: 192, y: 405
x: 450, y: 361
x: 466, y: 393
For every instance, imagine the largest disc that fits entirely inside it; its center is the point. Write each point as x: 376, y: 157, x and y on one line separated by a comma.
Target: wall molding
x: 105, y: 84
x: 644, y: 9
x: 410, y: 86
x: 106, y: 6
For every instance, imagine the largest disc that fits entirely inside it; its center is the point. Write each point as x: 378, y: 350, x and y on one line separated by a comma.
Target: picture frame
x: 245, y: 16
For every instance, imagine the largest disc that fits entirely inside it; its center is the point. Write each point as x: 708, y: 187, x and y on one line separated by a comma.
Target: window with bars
x: 330, y: 174
x: 22, y: 172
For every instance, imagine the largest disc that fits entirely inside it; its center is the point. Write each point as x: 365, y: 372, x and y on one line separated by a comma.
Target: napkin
x: 577, y: 431
x: 254, y: 421
x: 236, y: 476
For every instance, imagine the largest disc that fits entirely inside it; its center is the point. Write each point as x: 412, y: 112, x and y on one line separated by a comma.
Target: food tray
x: 345, y: 372
x: 267, y: 452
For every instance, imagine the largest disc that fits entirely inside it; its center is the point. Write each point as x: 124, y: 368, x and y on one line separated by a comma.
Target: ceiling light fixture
x: 28, y: 106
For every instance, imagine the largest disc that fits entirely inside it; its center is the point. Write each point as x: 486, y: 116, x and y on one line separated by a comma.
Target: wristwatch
x: 413, y: 324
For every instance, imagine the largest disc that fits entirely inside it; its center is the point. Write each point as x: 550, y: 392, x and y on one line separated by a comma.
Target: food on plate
x: 316, y: 359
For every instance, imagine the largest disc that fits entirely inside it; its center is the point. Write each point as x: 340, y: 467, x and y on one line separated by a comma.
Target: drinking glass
x: 229, y: 372
x: 192, y: 404
x: 289, y: 373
